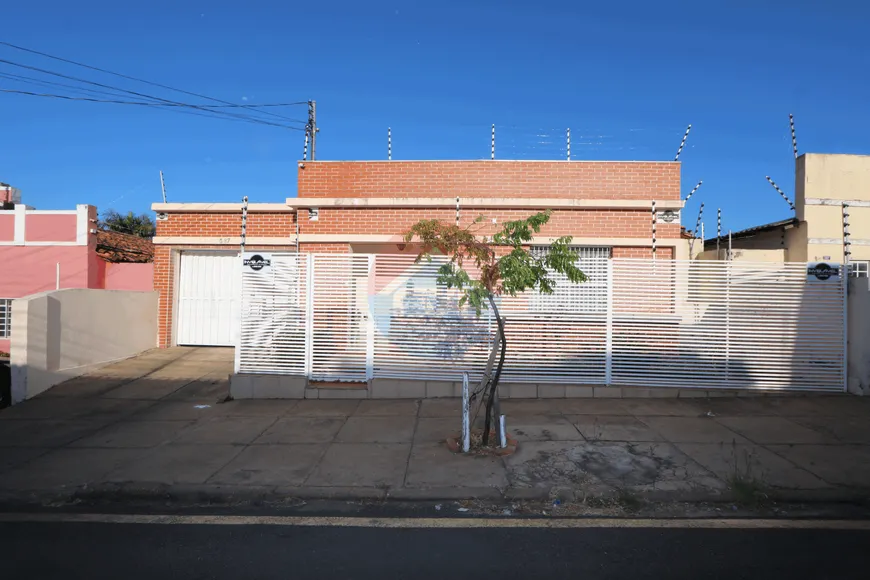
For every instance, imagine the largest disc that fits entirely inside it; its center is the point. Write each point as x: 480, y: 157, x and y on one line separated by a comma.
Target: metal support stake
x: 502, y: 433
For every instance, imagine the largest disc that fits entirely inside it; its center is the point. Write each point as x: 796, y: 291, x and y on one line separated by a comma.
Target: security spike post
x: 793, y: 136
x: 698, y: 223
x: 493, y: 143
x: 244, y: 224
x: 847, y: 240
x: 569, y: 143
x: 683, y: 143
x: 718, y: 230
x: 782, y: 193
x: 694, y: 189
x: 654, y: 229
x: 389, y: 144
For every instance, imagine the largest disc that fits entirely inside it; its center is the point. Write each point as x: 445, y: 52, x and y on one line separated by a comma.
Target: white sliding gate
x: 664, y: 323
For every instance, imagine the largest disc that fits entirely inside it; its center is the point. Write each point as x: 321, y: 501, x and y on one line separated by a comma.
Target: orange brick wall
x: 323, y: 248
x: 394, y: 221
x: 644, y: 253
x: 553, y: 179
x: 272, y: 225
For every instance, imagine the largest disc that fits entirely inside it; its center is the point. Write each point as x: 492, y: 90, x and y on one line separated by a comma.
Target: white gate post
x: 237, y: 355
x: 608, y: 336
x: 309, y: 313
x: 370, y: 320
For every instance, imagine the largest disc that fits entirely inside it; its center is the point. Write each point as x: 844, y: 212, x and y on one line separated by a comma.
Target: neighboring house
x: 364, y: 207
x: 44, y: 250
x: 9, y: 196
x: 823, y: 184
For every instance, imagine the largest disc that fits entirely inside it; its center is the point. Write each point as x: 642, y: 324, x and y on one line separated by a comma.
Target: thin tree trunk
x: 495, y: 379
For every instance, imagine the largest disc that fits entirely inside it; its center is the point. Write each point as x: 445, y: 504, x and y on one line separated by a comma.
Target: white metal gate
x: 704, y: 324
x: 208, y: 298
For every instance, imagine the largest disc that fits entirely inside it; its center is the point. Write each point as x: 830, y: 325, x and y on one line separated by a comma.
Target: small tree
x: 510, y: 272
x: 137, y: 225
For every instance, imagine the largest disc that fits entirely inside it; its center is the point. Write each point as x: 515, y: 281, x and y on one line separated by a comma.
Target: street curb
x: 213, y: 494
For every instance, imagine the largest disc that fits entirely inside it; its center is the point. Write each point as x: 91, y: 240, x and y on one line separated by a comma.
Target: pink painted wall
x: 137, y: 277
x: 50, y: 227
x: 5, y: 345
x: 7, y: 226
x: 31, y: 269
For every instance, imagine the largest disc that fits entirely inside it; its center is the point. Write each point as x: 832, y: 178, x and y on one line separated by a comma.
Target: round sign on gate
x: 257, y: 262
x: 823, y: 271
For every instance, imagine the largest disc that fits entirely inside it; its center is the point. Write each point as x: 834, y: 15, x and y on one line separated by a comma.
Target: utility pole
x: 312, y: 127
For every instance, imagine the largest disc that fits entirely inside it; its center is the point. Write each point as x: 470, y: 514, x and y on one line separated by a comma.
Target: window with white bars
x: 5, y: 317
x: 859, y: 269
x: 589, y: 296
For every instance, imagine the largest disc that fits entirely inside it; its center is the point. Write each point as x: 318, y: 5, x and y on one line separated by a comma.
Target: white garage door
x: 209, y: 289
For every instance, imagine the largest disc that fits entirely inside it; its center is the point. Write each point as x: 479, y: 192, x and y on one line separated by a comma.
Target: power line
x: 123, y: 76
x: 212, y: 114
x: 42, y: 82
x: 146, y: 96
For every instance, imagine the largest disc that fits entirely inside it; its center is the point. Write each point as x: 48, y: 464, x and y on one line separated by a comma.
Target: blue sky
x: 625, y: 76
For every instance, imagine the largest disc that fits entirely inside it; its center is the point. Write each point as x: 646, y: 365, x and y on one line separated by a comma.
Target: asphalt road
x: 140, y: 551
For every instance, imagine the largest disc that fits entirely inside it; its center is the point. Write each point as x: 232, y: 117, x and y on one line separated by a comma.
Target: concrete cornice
x: 383, y: 238
x: 293, y: 203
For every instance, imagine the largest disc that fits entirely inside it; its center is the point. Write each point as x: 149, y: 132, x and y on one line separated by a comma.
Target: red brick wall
x: 553, y: 179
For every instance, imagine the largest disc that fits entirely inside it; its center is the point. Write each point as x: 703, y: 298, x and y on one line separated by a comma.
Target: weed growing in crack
x: 748, y: 490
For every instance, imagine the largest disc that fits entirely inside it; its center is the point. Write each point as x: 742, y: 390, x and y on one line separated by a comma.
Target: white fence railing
x: 704, y: 324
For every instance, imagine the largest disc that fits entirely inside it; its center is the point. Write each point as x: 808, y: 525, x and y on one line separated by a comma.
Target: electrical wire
x: 160, y: 99
x: 41, y: 82
x: 123, y: 76
x: 213, y: 114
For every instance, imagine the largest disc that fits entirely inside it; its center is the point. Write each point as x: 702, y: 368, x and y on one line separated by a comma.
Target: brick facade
x: 228, y: 224
x: 220, y: 228
x: 526, y: 179
x: 395, y: 221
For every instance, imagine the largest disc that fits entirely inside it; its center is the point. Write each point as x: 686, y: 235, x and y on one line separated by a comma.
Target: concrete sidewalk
x: 152, y: 426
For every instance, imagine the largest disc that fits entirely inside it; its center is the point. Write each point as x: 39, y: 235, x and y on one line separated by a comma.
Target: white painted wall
x: 62, y: 334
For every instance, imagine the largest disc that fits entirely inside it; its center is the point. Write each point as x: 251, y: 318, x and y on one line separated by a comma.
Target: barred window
x: 5, y: 317
x: 859, y: 269
x: 588, y: 296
